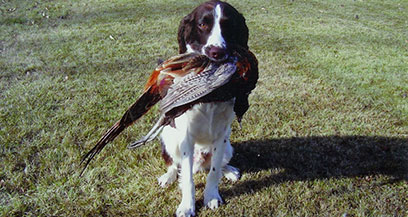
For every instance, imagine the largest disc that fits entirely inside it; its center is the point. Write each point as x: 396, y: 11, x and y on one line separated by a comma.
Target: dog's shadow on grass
x: 310, y: 158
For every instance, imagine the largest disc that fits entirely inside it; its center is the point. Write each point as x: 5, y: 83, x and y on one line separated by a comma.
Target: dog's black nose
x: 217, y: 53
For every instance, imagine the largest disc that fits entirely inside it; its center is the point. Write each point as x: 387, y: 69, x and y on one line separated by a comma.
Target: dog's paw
x: 214, y: 204
x: 167, y: 179
x: 213, y: 200
x: 185, y: 210
x: 231, y: 173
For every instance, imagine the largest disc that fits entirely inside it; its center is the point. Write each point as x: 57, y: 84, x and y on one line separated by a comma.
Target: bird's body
x: 188, y: 82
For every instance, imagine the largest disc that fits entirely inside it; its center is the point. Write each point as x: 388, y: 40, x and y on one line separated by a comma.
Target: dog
x: 199, y: 141
x: 200, y: 90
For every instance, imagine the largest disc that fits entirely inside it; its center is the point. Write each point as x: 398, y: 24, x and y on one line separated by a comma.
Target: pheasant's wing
x: 239, y: 84
x: 189, y: 89
x: 193, y: 86
x: 201, y: 77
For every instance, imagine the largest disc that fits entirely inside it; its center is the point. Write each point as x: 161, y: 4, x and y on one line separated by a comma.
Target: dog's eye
x: 202, y: 26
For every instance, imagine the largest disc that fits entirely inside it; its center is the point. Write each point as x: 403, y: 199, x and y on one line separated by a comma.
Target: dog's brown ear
x: 184, y: 31
x: 244, y: 32
x: 237, y: 25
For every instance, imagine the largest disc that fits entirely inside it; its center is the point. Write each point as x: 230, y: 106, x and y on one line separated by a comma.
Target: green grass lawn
x: 326, y: 133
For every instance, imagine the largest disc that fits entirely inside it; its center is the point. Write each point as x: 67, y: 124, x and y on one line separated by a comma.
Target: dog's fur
x: 200, y: 139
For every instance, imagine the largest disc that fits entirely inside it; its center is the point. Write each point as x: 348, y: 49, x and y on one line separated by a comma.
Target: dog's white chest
x: 206, y: 122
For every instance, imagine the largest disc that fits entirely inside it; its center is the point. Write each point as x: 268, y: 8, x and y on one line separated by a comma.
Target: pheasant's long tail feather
x: 109, y: 136
x: 149, y: 98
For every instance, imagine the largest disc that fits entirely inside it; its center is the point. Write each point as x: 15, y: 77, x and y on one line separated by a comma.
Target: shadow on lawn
x: 312, y: 158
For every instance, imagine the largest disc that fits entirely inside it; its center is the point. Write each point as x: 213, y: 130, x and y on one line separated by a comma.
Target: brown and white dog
x: 200, y: 90
x: 200, y: 140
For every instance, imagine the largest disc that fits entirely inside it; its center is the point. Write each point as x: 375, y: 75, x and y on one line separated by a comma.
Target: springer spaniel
x: 199, y: 139
x: 199, y: 99
x: 200, y: 92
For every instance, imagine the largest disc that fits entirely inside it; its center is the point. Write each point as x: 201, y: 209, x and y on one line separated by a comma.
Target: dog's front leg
x: 187, y: 205
x: 212, y: 198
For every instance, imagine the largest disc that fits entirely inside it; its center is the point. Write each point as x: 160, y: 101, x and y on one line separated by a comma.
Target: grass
x: 326, y: 134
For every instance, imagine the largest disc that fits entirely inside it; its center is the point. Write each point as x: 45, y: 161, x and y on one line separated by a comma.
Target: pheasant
x: 181, y: 82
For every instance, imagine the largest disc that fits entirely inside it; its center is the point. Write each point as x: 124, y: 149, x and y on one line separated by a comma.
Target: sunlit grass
x: 326, y: 134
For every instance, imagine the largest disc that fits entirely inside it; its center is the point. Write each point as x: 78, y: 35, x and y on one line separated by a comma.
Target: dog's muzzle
x: 216, y: 53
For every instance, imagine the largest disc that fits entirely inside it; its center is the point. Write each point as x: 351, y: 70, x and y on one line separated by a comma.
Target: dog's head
x: 211, y: 29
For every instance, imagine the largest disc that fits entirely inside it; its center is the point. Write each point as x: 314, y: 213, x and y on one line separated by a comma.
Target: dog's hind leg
x: 169, y: 177
x: 170, y: 152
x: 230, y: 172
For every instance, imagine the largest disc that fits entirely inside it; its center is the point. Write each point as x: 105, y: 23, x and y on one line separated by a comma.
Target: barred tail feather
x: 109, y: 136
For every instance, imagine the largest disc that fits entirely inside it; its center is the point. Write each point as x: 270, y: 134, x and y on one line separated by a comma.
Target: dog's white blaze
x: 215, y: 38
